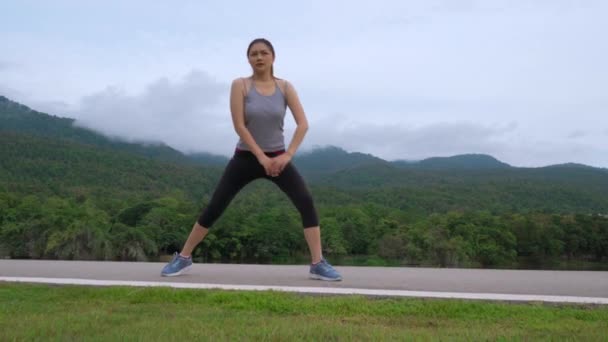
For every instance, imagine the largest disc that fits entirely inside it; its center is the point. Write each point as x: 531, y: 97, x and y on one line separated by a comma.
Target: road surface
x: 509, y: 285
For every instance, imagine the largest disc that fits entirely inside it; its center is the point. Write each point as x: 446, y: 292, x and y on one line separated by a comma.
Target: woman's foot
x: 324, y: 271
x: 179, y: 265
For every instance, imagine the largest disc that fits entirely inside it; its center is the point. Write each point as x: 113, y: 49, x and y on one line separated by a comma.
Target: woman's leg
x: 241, y: 170
x: 197, y: 235
x: 313, y: 239
x: 292, y: 184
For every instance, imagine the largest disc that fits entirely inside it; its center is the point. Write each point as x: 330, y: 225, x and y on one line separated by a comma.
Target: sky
x: 523, y: 81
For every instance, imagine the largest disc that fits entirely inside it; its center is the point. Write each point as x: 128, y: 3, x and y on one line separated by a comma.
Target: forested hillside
x: 70, y: 193
x: 15, y: 117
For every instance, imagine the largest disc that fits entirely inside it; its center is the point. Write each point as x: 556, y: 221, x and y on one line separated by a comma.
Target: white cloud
x: 11, y: 93
x: 410, y: 78
x: 542, y: 153
x: 402, y: 141
x: 185, y: 114
x: 4, y: 65
x: 577, y: 134
x: 58, y: 108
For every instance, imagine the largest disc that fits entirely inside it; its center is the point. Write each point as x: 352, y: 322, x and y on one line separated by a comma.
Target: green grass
x: 46, y: 312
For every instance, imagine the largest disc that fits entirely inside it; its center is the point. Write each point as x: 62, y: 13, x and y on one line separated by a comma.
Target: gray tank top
x: 264, y: 118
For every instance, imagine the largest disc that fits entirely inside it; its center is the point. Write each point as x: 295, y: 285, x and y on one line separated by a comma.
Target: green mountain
x: 465, y: 161
x: 42, y: 164
x: 44, y: 153
x: 330, y: 159
x: 457, y: 162
x: 205, y: 158
x: 48, y: 153
x: 573, y: 166
x: 70, y: 193
x: 15, y: 117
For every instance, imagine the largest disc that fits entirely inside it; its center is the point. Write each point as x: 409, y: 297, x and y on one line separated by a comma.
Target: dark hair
x: 268, y: 44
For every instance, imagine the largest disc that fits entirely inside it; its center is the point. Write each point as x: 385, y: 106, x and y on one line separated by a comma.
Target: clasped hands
x: 275, y: 165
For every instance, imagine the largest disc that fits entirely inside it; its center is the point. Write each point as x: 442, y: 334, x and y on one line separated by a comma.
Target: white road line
x: 321, y: 290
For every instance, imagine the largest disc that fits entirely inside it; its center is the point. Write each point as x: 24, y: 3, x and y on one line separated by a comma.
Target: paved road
x: 458, y: 281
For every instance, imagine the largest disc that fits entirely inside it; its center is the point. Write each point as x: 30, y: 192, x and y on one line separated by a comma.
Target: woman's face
x: 260, y: 57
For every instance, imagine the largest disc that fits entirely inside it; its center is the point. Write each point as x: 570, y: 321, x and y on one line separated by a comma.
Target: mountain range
x: 18, y: 118
x: 42, y: 153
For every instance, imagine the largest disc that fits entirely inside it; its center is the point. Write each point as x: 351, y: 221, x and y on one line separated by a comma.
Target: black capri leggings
x: 244, y: 168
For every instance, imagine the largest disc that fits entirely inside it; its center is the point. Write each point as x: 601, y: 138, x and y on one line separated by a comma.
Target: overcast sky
x: 524, y: 81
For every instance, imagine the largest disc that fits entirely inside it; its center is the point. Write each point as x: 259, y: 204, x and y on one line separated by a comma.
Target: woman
x: 258, y: 106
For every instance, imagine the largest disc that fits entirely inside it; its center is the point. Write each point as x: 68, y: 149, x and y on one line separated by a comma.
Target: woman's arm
x: 237, y: 108
x: 293, y: 102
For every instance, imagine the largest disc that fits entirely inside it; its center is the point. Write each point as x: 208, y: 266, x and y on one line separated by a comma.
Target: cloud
x: 545, y: 152
x: 11, y: 93
x: 185, y: 114
x: 417, y: 79
x: 9, y: 66
x: 507, y: 142
x: 577, y: 134
x: 192, y: 115
x: 401, y: 141
x: 58, y: 108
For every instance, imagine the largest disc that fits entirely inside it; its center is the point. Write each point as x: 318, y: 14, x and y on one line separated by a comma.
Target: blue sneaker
x: 177, y: 266
x: 324, y: 271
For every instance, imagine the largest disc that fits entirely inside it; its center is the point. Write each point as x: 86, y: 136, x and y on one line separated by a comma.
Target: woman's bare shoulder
x: 240, y: 80
x: 284, y: 84
x: 241, y: 83
x: 282, y: 80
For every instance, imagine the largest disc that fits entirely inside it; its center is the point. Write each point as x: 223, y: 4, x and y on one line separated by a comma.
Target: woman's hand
x: 279, y: 163
x: 268, y: 164
x: 274, y: 166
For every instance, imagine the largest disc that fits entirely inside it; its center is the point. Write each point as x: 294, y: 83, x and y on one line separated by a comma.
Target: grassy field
x: 46, y: 312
